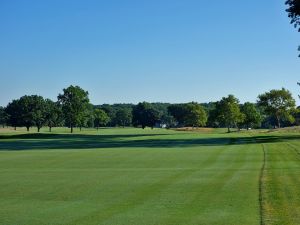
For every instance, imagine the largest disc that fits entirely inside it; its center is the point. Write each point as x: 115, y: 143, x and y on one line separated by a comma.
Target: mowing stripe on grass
x: 281, y: 194
x: 261, y: 186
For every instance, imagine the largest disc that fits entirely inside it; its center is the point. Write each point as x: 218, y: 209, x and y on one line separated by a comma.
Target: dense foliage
x: 279, y: 104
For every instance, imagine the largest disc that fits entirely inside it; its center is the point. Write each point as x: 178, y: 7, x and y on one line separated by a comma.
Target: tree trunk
x: 50, y: 128
x: 27, y: 129
x: 38, y: 129
x: 71, y: 128
x: 228, y: 129
x: 80, y: 128
x: 15, y: 128
x: 278, y: 121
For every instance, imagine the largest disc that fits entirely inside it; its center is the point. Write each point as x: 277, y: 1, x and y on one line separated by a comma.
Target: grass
x: 149, y: 177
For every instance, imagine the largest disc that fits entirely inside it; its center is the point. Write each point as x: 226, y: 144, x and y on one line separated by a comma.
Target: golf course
x: 130, y: 176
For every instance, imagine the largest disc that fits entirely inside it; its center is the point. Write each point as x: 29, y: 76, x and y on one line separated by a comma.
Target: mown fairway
x: 153, y: 177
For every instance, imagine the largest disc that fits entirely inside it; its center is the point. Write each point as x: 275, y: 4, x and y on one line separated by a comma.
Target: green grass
x: 149, y: 177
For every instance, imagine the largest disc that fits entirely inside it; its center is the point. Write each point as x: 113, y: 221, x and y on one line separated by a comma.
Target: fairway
x: 149, y: 177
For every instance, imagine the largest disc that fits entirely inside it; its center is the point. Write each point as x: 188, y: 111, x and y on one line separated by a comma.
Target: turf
x: 149, y: 177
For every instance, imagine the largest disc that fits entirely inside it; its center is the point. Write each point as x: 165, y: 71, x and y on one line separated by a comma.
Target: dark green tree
x: 278, y: 103
x: 145, y: 115
x: 252, y: 116
x: 74, y: 102
x: 3, y: 117
x: 31, y: 111
x: 178, y: 111
x: 100, y: 118
x: 13, y: 111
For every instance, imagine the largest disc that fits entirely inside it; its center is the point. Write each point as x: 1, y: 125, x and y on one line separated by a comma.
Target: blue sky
x: 142, y: 50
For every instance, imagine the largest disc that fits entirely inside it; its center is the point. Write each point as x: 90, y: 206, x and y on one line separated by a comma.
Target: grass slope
x: 148, y: 177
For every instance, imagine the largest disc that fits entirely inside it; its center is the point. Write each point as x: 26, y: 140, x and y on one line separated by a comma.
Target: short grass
x: 149, y: 177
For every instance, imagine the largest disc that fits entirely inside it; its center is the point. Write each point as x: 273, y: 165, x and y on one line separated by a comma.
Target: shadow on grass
x: 77, y: 141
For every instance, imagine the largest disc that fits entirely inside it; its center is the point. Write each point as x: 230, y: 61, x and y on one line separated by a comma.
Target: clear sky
x: 147, y: 50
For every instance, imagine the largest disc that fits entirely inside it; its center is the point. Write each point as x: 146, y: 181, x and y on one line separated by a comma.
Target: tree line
x: 275, y: 108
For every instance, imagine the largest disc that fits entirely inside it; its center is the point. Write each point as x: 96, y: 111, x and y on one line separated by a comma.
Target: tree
x: 277, y: 103
x: 294, y: 13
x: 100, y: 118
x: 252, y: 116
x: 27, y: 111
x: 74, y: 102
x: 13, y: 110
x: 145, y: 115
x: 38, y: 106
x: 110, y: 110
x: 86, y: 116
x: 195, y: 115
x: 190, y: 114
x: 228, y: 112
x: 178, y: 111
x: 54, y: 115
x: 124, y: 117
x: 3, y: 116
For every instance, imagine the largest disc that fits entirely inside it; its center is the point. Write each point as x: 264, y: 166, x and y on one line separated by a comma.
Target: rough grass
x: 148, y: 177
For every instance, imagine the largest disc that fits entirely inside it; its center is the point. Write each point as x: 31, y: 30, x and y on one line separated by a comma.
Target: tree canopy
x: 190, y: 114
x: 294, y: 12
x: 74, y: 102
x: 124, y: 117
x: 100, y: 118
x: 228, y: 112
x: 145, y: 115
x: 252, y: 116
x: 277, y: 103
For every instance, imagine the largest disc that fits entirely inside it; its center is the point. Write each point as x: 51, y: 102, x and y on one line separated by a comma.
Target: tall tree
x: 100, y: 118
x: 145, y: 115
x: 252, y: 116
x: 228, y: 112
x: 277, y: 103
x: 74, y: 101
